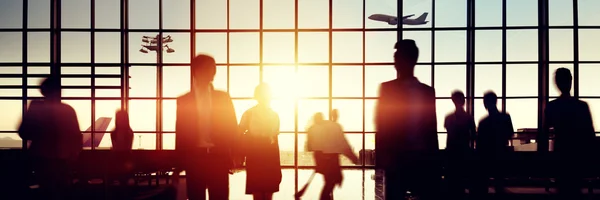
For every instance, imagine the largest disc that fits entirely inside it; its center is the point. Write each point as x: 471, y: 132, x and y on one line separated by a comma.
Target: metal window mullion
x: 24, y: 67
x: 261, y: 41
x: 543, y: 71
x: 504, y: 55
x: 55, y: 38
x: 400, y: 26
x: 470, y: 66
x: 93, y: 68
x: 432, y: 47
x: 228, y: 66
x: 330, y: 59
x: 363, y: 163
x: 193, y: 37
x: 295, y: 99
x: 159, y: 75
x: 124, y: 55
x: 576, y: 49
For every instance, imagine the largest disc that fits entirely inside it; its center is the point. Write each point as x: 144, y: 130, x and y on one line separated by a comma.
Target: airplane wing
x: 101, y: 125
x: 407, y: 16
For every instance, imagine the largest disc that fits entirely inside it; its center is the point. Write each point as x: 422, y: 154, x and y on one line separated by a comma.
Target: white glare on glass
x: 347, y: 47
x: 423, y: 74
x: 242, y: 106
x: 11, y: 114
x: 521, y: 80
x: 561, y: 45
x: 211, y: 14
x: 142, y: 81
x: 347, y: 13
x: 313, y: 47
x: 278, y: 47
x: 347, y: 81
x: 244, y: 14
x: 107, y: 48
x: 488, y: 78
x: 523, y: 112
x: 244, y: 47
x: 588, y: 44
x: 169, y: 115
x: 450, y: 46
x: 307, y: 108
x: 142, y: 115
x: 588, y: 80
x: 313, y: 81
x: 144, y: 141
x: 176, y: 81
x: 285, y: 110
x: 370, y: 115
x: 350, y: 114
x: 313, y: 14
x: 379, y: 46
x: 243, y: 80
x: 375, y: 75
x: 213, y: 44
x: 443, y: 107
x: 449, y: 78
x: 282, y: 80
x: 220, y: 80
x: 521, y: 45
x: 278, y: 14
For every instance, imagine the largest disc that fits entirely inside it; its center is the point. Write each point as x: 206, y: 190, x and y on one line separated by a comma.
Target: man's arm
x: 544, y: 134
x: 510, y: 131
x: 380, y: 124
x: 29, y: 126
x: 181, y: 130
x: 74, y: 132
x: 472, y: 132
x: 231, y: 129
x: 588, y: 124
x: 431, y: 125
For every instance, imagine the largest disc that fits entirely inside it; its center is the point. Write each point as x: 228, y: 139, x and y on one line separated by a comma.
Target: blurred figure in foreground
x: 261, y: 146
x: 327, y: 140
x: 56, y: 140
x: 406, y: 142
x: 574, y: 136
x: 122, y: 141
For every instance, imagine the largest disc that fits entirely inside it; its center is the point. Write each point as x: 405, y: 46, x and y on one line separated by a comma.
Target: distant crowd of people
x: 210, y: 143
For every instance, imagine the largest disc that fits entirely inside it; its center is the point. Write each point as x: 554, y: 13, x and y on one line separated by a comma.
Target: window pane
x: 560, y: 12
x: 488, y: 46
x: 214, y: 44
x: 588, y: 79
x: 75, y: 47
x: 144, y: 141
x: 521, y: 45
x: 168, y: 142
x: 588, y: 45
x: 479, y: 111
x: 104, y: 14
x: 244, y: 14
x: 418, y: 8
x: 282, y: 80
x: 423, y: 40
x: 243, y: 80
x: 75, y: 14
x: 380, y: 7
x: 220, y: 80
x: 169, y: 115
x: 450, y: 46
x: 10, y: 141
x: 443, y: 107
x: 313, y: 47
x: 524, y: 112
x: 14, y: 41
x: 12, y: 15
x: 278, y: 47
x: 11, y: 93
x: 347, y: 13
x: 347, y: 81
x: 522, y: 13
x: 38, y: 47
x: 488, y: 13
x: 242, y: 106
x: 83, y: 109
x: 347, y: 47
x: 142, y: 115
x: 176, y: 81
x: 313, y: 81
x: 313, y: 14
x: 442, y: 140
x: 286, y: 149
x: 146, y: 18
x: 278, y: 14
x: 375, y: 75
x: 369, y: 115
x: 107, y: 108
x: 211, y: 14
x: 244, y: 47
x: 561, y: 45
x: 38, y: 13
x: 107, y: 48
x: 350, y: 114
x: 181, y: 45
x: 285, y: 110
x: 488, y: 77
x: 11, y: 117
x: 554, y: 91
x: 142, y: 81
x: 521, y: 80
x: 307, y: 108
x: 449, y: 78
x: 594, y: 105
x: 588, y: 13
x: 176, y: 14
x: 379, y: 46
x: 451, y: 13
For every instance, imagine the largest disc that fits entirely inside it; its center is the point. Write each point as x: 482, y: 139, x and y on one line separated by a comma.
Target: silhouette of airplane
x: 393, y: 20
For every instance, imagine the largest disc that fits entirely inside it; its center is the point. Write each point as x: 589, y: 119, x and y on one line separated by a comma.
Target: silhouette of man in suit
x: 56, y: 140
x: 406, y: 141
x: 493, y: 135
x: 574, y: 134
x: 206, y: 133
x: 461, y: 132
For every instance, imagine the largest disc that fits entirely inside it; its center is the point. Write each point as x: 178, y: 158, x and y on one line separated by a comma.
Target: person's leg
x: 258, y: 196
x: 268, y: 196
x: 393, y: 187
x: 218, y: 181
x: 196, y: 181
x: 327, y: 192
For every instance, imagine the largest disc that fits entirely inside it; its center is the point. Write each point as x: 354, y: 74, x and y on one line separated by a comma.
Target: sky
x: 311, y: 77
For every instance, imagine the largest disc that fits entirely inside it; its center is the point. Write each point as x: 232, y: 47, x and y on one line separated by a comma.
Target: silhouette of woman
x: 122, y: 141
x: 261, y: 126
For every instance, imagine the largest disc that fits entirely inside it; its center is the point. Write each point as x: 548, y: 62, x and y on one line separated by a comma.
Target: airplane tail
x: 422, y: 17
x: 100, y: 130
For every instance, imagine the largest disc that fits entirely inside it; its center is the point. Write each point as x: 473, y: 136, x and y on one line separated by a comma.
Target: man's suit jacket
x: 405, y: 121
x: 223, y: 128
